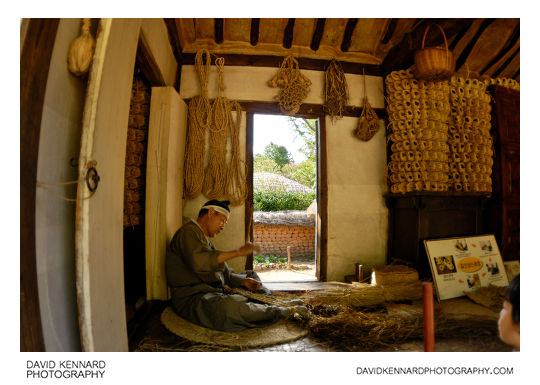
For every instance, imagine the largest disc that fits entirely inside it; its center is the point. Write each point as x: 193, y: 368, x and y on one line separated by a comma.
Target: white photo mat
x: 463, y: 264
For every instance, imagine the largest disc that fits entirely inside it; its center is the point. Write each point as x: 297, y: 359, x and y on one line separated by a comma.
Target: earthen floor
x: 149, y: 334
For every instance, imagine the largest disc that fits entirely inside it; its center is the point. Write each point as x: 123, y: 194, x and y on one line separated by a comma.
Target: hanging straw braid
x: 294, y: 86
x: 336, y: 93
x: 195, y: 151
x: 236, y: 181
x: 203, y: 107
x: 215, y: 173
x: 199, y: 119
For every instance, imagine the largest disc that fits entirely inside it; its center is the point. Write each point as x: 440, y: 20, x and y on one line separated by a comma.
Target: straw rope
x: 199, y: 118
x: 236, y: 189
x: 215, y: 173
x: 336, y: 93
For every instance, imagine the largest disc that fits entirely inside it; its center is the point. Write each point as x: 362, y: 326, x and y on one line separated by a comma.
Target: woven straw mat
x: 280, y: 332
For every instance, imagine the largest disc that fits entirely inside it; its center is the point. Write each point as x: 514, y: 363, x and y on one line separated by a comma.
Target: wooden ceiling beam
x: 254, y: 34
x: 218, y: 31
x: 349, y: 29
x: 509, y: 45
x: 465, y: 53
x: 288, y: 34
x: 275, y: 61
x: 317, y: 35
x: 505, y: 64
x: 391, y: 27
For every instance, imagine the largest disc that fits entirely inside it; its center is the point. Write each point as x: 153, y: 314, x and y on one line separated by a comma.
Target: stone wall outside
x: 274, y: 239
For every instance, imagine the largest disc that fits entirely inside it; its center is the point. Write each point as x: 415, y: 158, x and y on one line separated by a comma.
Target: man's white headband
x: 219, y: 209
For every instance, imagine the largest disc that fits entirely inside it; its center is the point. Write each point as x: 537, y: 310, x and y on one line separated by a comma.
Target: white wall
x: 356, y: 233
x: 357, y: 214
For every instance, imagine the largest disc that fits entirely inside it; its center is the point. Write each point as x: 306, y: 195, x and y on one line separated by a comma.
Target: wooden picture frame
x: 463, y: 264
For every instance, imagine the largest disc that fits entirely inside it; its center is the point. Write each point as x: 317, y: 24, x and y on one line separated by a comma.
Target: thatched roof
x: 267, y: 181
x: 287, y: 218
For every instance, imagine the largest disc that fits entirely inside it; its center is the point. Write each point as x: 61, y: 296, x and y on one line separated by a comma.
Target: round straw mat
x: 278, y: 333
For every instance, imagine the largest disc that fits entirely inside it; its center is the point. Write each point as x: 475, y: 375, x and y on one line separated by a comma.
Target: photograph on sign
x: 462, y: 264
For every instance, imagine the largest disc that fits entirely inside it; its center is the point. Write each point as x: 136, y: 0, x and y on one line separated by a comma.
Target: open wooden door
x: 100, y: 195
x: 164, y: 183
x: 99, y: 264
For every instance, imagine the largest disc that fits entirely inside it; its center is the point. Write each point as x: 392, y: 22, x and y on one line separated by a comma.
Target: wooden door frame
x: 35, y: 62
x: 306, y: 111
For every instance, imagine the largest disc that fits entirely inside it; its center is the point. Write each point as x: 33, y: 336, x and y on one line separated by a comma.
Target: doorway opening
x: 134, y: 195
x: 284, y: 218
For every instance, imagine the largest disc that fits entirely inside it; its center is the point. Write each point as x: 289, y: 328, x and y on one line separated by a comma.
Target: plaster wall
x: 357, y: 216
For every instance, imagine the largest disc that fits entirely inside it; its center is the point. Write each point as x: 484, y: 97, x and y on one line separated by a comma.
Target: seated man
x: 197, y: 273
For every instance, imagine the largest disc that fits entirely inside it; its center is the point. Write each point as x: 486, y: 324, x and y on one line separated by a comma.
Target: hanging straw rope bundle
x: 236, y: 181
x: 368, y: 124
x: 200, y: 115
x: 294, y: 86
x: 215, y: 173
x: 336, y: 93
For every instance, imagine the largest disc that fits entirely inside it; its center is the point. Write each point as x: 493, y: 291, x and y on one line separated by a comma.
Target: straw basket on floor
x: 434, y: 63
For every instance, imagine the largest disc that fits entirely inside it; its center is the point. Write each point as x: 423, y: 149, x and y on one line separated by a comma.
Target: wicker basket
x: 434, y: 63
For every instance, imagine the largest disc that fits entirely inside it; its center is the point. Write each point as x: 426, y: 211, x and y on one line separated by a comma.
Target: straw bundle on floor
x: 491, y: 297
x: 392, y: 274
x: 348, y: 330
x: 364, y: 295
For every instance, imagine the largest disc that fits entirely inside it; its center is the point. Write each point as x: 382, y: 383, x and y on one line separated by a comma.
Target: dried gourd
x: 81, y: 51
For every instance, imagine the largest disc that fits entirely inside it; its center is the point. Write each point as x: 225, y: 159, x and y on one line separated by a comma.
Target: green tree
x: 306, y: 129
x: 305, y: 172
x: 279, y: 154
x: 264, y: 163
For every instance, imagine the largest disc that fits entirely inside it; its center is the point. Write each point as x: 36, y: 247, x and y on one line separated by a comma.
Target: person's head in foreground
x: 213, y: 217
x: 509, y: 315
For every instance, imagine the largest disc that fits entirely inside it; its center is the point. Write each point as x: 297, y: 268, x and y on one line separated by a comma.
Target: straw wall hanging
x: 440, y: 134
x: 294, y: 86
x: 223, y: 177
x: 469, y: 137
x: 418, y: 114
x: 336, y: 92
x: 199, y: 118
x: 368, y: 123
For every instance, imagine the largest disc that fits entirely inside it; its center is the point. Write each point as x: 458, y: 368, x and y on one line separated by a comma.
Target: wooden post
x: 429, y: 327
x: 359, y: 272
x: 288, y: 257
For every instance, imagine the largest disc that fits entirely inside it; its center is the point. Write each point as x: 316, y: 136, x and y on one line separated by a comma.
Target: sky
x: 276, y: 129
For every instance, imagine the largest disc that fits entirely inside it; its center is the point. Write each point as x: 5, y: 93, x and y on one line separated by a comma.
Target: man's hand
x: 249, y: 248
x: 245, y: 250
x: 251, y: 284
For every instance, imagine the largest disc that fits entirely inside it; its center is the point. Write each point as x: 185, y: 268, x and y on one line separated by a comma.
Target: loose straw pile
x: 294, y: 86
